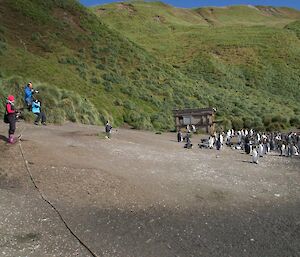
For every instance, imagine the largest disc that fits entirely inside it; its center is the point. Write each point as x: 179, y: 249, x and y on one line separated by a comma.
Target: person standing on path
x: 11, y: 118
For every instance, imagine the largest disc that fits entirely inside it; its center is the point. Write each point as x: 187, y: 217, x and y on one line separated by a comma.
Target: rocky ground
x: 142, y: 195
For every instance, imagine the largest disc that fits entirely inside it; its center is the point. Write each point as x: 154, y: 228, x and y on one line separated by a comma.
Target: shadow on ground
x: 265, y: 231
x: 3, y: 138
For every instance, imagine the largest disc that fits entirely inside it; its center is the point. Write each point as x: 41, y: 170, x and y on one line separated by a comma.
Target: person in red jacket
x: 11, y: 117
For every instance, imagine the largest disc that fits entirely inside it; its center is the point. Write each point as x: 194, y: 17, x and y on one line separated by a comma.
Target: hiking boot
x: 11, y: 139
x: 44, y: 123
x: 36, y: 123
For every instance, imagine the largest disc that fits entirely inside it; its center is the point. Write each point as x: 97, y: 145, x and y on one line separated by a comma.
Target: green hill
x: 63, y: 45
x: 248, y: 15
x: 134, y: 62
x: 249, y: 55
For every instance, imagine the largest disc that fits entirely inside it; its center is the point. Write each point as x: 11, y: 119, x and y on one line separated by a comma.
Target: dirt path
x: 141, y: 194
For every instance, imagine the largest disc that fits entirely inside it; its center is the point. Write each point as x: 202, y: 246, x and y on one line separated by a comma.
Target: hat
x: 11, y: 98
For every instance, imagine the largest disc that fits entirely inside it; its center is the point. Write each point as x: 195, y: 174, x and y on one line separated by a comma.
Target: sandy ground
x: 143, y: 195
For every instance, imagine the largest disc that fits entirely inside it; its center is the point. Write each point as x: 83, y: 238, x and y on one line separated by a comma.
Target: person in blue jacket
x: 36, y: 109
x: 29, y: 91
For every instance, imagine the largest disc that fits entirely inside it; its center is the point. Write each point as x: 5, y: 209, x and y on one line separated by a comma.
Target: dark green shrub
x: 129, y: 105
x: 105, y: 116
x: 68, y: 107
x: 118, y: 102
x: 33, y: 10
x: 131, y: 116
x: 107, y: 86
x: 162, y: 121
x: 96, y: 80
x: 68, y: 60
x: 237, y: 123
x: 226, y: 124
x: 3, y: 47
x: 145, y: 97
x: 295, y: 121
x: 70, y: 5
x: 156, y: 102
x: 112, y: 77
x: 36, y: 36
x: 267, y: 120
x: 126, y: 91
x: 257, y: 124
x: 2, y: 30
x: 100, y: 66
x: 237, y: 111
x: 46, y: 46
x: 81, y: 71
x: 55, y: 115
x: 138, y: 120
x: 275, y: 126
x: 28, y: 116
x: 280, y: 119
x: 248, y: 122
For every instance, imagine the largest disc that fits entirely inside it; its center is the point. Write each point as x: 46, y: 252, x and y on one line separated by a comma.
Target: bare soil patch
x: 142, y: 194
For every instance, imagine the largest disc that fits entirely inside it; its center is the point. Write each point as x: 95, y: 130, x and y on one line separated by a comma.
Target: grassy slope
x: 247, y: 54
x: 248, y: 15
x: 63, y: 44
x: 168, y: 58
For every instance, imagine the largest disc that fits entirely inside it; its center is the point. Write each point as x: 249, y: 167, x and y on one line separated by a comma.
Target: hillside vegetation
x: 62, y: 44
x: 134, y: 62
x: 249, y: 55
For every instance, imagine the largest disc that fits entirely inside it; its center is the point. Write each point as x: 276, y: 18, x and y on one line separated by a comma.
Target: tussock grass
x: 60, y: 105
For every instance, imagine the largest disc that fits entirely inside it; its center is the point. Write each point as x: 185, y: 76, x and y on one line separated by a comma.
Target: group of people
x: 33, y: 105
x: 11, y: 112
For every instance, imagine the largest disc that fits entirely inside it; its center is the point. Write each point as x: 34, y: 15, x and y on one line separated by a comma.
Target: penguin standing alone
x: 254, y: 156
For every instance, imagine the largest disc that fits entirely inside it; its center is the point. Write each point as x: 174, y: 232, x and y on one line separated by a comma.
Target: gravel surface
x: 141, y: 194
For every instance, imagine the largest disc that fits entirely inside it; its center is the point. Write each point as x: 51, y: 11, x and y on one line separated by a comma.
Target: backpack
x: 5, y: 118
